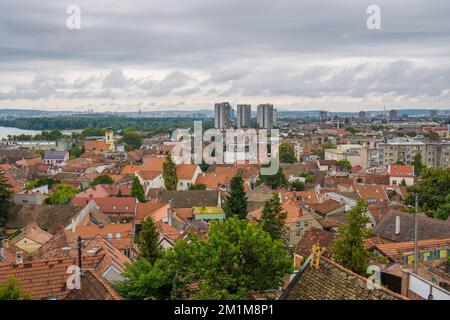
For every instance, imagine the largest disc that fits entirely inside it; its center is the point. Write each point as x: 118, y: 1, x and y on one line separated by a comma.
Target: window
x: 298, y: 224
x: 110, y: 236
x: 114, y: 208
x: 306, y: 224
x: 117, y: 235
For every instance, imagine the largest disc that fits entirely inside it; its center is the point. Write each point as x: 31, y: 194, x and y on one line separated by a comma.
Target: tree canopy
x: 433, y: 190
x: 237, y: 258
x: 148, y: 241
x: 198, y: 186
x: 132, y: 139
x: 274, y: 181
x: 298, y: 185
x: 170, y: 174
x: 287, y: 153
x: 349, y: 249
x: 6, y: 202
x: 236, y: 202
x: 273, y: 218
x: 11, y: 291
x: 344, y: 164
x: 102, y: 179
x: 137, y: 190
x: 61, y: 195
x: 418, y: 164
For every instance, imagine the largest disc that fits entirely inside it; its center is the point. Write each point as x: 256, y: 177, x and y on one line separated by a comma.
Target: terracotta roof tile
x: 396, y: 251
x: 316, y: 236
x: 331, y: 281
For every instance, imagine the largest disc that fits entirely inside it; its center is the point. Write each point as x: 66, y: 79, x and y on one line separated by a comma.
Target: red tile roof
x: 396, y: 170
x: 372, y: 193
x: 118, y: 205
x: 124, y: 230
x: 153, y: 164
x: 186, y: 171
x: 46, y: 278
x: 327, y: 206
x: 148, y: 175
x: 146, y: 209
x: 101, y: 145
x: 396, y: 251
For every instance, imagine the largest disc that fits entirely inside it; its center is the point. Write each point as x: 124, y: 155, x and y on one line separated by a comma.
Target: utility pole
x: 79, y: 252
x: 416, y: 225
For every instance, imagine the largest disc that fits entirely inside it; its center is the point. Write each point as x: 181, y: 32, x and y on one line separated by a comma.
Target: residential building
x: 222, y: 115
x: 187, y: 175
x: 355, y: 153
x: 393, y: 115
x: 438, y: 154
x: 399, y: 174
x: 401, y: 151
x: 52, y: 157
x: 244, y: 115
x: 265, y: 116
x: 29, y: 238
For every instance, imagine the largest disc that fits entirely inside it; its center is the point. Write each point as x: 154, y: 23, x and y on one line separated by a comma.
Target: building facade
x: 265, y: 116
x: 401, y: 151
x: 222, y: 115
x: 244, y: 115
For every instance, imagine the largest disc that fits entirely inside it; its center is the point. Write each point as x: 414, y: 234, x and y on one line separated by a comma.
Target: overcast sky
x: 189, y: 54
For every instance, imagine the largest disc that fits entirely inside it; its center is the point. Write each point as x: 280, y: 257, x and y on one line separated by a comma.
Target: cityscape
x: 191, y: 153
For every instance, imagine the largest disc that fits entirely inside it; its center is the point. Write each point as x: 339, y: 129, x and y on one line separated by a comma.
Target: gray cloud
x: 229, y: 48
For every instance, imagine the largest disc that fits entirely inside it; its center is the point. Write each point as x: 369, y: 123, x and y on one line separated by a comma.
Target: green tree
x: 244, y: 258
x: 298, y: 185
x: 11, y: 291
x: 274, y: 181
x: 170, y: 174
x: 236, y: 203
x: 418, y: 164
x: 344, y: 164
x: 309, y: 177
x: 75, y: 152
x: 349, y: 249
x: 148, y: 241
x: 443, y: 211
x: 62, y: 194
x: 198, y: 186
x: 6, y: 201
x: 273, y: 218
x: 433, y: 189
x: 132, y: 139
x: 287, y: 153
x: 137, y: 190
x: 50, y: 182
x: 102, y: 179
x: 238, y: 257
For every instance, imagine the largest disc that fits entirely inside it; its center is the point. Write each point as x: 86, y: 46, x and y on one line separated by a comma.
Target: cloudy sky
x: 188, y: 54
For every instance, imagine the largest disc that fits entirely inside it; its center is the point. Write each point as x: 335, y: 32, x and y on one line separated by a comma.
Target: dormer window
x: 118, y: 236
x: 110, y: 236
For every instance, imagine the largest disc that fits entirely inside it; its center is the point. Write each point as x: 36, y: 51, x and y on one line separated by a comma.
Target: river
x: 5, y: 131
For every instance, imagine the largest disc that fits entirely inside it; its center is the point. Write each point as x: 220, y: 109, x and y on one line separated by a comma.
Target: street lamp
x: 78, y: 247
x: 416, y: 233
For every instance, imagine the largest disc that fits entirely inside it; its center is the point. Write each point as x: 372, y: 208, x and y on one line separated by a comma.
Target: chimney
x: 397, y: 225
x: 73, y: 225
x: 19, y: 257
